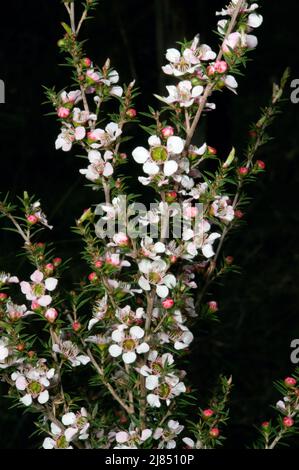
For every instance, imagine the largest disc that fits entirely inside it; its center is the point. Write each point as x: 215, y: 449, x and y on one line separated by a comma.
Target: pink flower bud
x: 173, y: 259
x: 243, y: 171
x: 288, y: 422
x: 49, y: 267
x: 98, y: 264
x: 167, y: 131
x: 213, y: 306
x: 290, y: 381
x: 168, y: 303
x: 51, y: 315
x: 92, y: 277
x: 131, y: 113
x: 229, y: 259
x: 123, y: 156
x: 239, y: 214
x: 212, y: 150
x: 76, y: 326
x: 214, y: 432
x: 211, y: 70
x: 92, y: 136
x: 208, y: 413
x: 63, y: 112
x: 86, y: 62
x: 32, y: 219
x: 57, y: 261
x: 265, y: 424
x: 260, y: 164
x: 3, y: 296
x: 35, y: 305
x: 220, y: 66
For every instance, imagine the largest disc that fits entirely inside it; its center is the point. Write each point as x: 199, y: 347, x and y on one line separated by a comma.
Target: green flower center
x: 157, y: 368
x: 164, y: 390
x: 129, y: 344
x: 159, y: 154
x: 35, y: 388
x: 62, y: 442
x: 39, y: 289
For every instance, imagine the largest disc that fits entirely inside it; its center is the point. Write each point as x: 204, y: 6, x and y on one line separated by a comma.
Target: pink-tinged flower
x: 72, y: 97
x: 6, y: 278
x: 37, y: 289
x: 184, y: 94
x: 159, y: 155
x: 16, y: 312
x: 51, y: 314
x: 290, y: 381
x: 63, y: 113
x: 99, y: 166
x: 168, y: 303
x: 214, y: 432
x: 114, y: 260
x: 78, y: 423
x: 34, y: 381
x: 190, y: 212
x: 288, y: 422
x: 93, y: 76
x: 128, y: 343
x: 167, y: 131
x: 208, y: 413
x: 120, y: 239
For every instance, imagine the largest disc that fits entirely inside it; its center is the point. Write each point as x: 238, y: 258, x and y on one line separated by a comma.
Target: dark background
x: 259, y: 308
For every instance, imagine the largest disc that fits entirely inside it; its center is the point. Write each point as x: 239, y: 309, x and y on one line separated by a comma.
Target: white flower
x: 128, y: 343
x: 68, y: 136
x: 128, y: 316
x: 201, y: 240
x: 132, y: 438
x: 231, y: 83
x: 4, y: 351
x: 184, y: 94
x: 6, y: 278
x: 150, y: 249
x: 59, y: 439
x: 104, y: 137
x: 164, y: 389
x: 78, y: 424
x: 72, y: 97
x: 159, y: 155
x: 36, y: 291
x: 167, y: 436
x: 99, y: 311
x: 222, y: 209
x: 71, y: 352
x: 154, y: 273
x: 99, y: 166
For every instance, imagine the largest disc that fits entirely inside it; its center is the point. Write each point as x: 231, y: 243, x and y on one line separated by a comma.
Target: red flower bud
x: 57, y: 262
x: 213, y: 306
x: 212, y: 150
x: 208, y: 413
x: 168, y: 303
x: 243, y: 171
x: 167, y: 131
x: 92, y: 277
x: 260, y: 164
x: 76, y: 326
x: 3, y: 296
x: 131, y: 113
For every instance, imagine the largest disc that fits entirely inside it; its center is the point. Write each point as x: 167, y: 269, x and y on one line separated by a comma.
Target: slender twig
x: 210, y: 86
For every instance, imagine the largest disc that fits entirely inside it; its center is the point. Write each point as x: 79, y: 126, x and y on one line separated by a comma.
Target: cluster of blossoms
x: 130, y: 319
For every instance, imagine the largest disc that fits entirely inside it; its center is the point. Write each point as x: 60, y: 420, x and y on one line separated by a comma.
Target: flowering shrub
x: 102, y: 364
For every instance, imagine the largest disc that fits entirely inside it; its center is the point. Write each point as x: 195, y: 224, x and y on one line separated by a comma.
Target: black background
x: 259, y: 308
